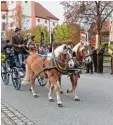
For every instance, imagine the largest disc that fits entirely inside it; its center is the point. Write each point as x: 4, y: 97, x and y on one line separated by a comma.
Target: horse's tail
x: 26, y: 78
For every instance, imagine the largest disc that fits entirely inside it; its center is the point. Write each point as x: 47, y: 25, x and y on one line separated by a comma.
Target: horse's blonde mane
x: 59, y: 50
x: 76, y: 47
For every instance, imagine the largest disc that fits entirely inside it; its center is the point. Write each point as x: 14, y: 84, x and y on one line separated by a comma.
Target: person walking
x: 94, y: 56
x: 101, y: 54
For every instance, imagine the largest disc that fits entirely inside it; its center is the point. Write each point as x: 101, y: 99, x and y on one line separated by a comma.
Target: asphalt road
x: 95, y: 107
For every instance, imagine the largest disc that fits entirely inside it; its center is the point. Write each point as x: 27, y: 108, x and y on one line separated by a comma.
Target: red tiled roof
x: 42, y: 12
x: 4, y: 6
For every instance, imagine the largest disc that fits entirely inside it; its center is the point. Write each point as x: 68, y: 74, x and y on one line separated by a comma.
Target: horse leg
x: 74, y: 80
x: 61, y: 91
x: 27, y: 77
x: 57, y: 89
x: 32, y: 81
x: 49, y: 94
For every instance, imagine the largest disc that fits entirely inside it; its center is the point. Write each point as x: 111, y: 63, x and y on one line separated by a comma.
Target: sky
x: 55, y: 8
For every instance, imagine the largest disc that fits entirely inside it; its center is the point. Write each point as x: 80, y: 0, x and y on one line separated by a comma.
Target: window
x: 3, y: 16
x: 46, y: 21
x: 38, y: 20
x: 3, y: 26
x: 26, y: 1
x: 53, y: 24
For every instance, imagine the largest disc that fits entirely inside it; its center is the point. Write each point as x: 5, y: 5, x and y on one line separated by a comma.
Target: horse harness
x: 55, y: 65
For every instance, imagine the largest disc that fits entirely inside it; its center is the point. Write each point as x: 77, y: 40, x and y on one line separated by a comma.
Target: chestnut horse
x: 82, y: 57
x: 44, y: 66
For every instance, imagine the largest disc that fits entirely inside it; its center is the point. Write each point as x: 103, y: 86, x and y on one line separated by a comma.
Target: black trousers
x: 100, y: 63
x: 89, y: 67
x: 95, y: 62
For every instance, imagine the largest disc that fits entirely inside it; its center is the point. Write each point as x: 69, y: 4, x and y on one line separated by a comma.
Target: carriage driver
x: 18, y: 44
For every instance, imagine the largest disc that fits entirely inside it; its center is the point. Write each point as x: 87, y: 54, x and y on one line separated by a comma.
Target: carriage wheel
x: 16, y: 79
x: 5, y: 73
x: 42, y: 81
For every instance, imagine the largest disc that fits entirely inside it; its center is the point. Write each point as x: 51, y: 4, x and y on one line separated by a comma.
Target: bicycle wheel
x: 5, y: 73
x: 16, y: 79
x: 42, y: 81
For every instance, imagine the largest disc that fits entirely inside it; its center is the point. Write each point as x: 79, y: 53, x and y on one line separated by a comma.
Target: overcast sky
x: 55, y: 8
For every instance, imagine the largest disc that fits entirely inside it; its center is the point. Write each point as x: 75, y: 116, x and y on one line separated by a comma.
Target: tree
x: 37, y: 33
x: 74, y: 32
x: 70, y: 32
x: 61, y: 32
x: 10, y: 33
x: 88, y: 12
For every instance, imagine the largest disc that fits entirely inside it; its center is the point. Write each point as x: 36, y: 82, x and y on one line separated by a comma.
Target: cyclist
x: 18, y: 44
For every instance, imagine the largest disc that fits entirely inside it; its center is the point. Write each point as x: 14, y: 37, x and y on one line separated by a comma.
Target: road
x: 95, y: 107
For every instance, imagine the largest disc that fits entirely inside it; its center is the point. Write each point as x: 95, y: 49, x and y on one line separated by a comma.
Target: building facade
x: 4, y: 18
x: 30, y: 14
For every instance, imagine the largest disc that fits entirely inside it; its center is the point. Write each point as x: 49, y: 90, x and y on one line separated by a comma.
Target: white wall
x: 26, y: 8
x: 51, y: 24
x: 42, y: 23
x: 11, y: 12
x: 26, y: 23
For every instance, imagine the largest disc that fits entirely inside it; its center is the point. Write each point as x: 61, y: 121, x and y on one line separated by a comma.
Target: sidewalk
x: 11, y: 116
x: 5, y: 120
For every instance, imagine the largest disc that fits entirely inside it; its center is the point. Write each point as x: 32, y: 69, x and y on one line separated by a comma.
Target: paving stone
x: 18, y: 121
x: 14, y: 118
x: 11, y: 116
x: 7, y: 121
x: 21, y: 123
x: 23, y: 118
x: 30, y: 123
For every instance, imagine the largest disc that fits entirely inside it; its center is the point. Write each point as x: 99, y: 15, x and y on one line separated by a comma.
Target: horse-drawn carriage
x: 64, y: 60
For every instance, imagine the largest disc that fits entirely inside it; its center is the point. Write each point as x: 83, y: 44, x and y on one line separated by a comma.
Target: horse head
x: 64, y: 54
x: 82, y: 53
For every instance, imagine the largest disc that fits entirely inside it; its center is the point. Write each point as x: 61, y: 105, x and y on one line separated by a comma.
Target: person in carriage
x: 18, y: 46
x: 31, y: 45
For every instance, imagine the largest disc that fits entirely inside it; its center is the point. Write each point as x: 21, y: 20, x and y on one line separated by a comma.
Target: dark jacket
x: 18, y: 41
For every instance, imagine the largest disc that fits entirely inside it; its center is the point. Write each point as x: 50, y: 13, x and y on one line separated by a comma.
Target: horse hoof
x: 60, y: 105
x: 51, y: 100
x: 61, y: 92
x: 69, y: 91
x: 77, y: 99
x: 35, y: 96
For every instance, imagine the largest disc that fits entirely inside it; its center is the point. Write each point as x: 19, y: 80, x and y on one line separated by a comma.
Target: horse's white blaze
x: 88, y: 59
x: 71, y: 63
